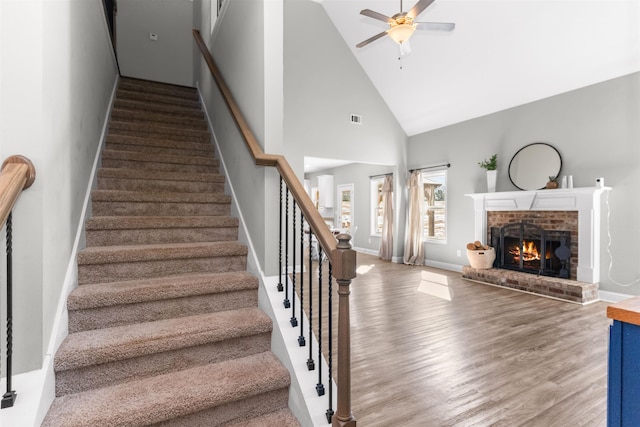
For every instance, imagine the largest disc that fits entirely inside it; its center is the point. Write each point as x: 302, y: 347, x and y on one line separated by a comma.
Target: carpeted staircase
x: 164, y: 327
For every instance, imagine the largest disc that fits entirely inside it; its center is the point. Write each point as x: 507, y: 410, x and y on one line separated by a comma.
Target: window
x: 376, y: 205
x: 215, y: 12
x: 435, y: 205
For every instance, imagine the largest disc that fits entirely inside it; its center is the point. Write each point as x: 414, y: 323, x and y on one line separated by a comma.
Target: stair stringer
x: 306, y: 405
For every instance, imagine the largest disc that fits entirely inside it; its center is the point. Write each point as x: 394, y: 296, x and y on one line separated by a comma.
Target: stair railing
x: 335, y: 249
x: 17, y: 174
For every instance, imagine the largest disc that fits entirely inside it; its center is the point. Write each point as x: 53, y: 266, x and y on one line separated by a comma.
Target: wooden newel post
x: 344, y: 269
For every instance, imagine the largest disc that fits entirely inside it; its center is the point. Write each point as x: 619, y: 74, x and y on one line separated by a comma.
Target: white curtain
x: 386, y: 243
x: 413, y: 245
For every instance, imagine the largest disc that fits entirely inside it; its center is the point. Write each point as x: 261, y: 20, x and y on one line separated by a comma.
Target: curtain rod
x: 431, y: 167
x: 381, y: 174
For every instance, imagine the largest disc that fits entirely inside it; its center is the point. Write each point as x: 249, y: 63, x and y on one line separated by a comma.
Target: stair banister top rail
x: 326, y: 239
x: 340, y: 254
x: 17, y: 174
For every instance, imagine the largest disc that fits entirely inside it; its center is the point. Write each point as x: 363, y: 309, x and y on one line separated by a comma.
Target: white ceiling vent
x: 356, y: 119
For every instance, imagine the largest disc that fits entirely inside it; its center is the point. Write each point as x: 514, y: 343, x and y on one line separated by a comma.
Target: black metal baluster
x: 280, y: 285
x: 301, y: 340
x: 330, y: 333
x: 310, y: 363
x: 286, y: 301
x: 10, y: 396
x: 293, y: 320
x: 320, y: 386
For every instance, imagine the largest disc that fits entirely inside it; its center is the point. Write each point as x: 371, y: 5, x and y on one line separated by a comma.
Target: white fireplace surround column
x: 586, y: 201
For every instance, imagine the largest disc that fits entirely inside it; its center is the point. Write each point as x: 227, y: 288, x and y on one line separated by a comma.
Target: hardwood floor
x: 488, y: 357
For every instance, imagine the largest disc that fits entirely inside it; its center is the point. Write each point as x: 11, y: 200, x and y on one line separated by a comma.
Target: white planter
x: 491, y: 181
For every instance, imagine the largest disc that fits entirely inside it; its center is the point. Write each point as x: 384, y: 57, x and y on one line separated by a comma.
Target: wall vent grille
x: 356, y: 119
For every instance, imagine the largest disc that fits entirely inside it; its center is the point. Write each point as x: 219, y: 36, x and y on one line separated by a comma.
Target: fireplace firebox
x: 529, y: 248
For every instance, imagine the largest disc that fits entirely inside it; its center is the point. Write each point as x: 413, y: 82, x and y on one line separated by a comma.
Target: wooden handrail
x: 311, y: 214
x: 17, y: 174
x: 341, y: 256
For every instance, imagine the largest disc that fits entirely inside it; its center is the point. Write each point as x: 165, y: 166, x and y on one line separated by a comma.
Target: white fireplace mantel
x: 584, y: 200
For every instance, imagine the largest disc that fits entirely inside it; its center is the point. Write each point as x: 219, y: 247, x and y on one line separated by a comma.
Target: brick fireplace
x: 575, y: 210
x: 547, y: 220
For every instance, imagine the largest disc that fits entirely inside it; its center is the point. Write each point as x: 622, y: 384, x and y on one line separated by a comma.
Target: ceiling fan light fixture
x: 401, y: 33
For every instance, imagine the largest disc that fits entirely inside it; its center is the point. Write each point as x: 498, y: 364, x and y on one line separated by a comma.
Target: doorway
x: 345, y: 208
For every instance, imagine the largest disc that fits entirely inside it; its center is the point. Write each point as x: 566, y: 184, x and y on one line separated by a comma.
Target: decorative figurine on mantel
x: 552, y: 183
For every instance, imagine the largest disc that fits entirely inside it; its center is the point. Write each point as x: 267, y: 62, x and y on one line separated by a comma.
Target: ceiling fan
x: 403, y: 24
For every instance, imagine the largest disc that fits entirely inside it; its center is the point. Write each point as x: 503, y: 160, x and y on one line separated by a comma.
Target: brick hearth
x: 564, y: 289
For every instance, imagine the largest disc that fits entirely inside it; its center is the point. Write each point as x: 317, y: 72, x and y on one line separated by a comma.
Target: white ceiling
x: 503, y: 53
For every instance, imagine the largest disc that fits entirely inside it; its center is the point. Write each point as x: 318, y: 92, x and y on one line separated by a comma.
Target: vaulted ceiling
x: 502, y: 53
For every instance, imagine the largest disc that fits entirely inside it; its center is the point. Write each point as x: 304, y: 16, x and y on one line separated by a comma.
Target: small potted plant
x: 491, y: 166
x: 552, y: 183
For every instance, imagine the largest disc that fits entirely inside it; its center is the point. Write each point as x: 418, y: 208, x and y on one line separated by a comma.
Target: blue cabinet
x: 623, y: 400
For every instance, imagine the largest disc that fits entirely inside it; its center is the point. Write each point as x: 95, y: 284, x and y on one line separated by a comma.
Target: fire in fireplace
x: 532, y: 249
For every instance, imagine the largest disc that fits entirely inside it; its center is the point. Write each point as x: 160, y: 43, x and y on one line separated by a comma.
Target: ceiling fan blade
x: 418, y: 8
x: 437, y: 26
x: 375, y: 15
x: 371, y: 39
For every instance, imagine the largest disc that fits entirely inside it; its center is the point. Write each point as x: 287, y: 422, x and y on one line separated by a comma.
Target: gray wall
x: 299, y: 110
x: 56, y: 82
x: 168, y: 59
x: 323, y: 85
x: 597, y: 131
x: 241, y: 59
x: 358, y: 174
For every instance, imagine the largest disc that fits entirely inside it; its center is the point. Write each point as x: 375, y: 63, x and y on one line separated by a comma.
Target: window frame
x: 425, y: 176
x: 375, y: 204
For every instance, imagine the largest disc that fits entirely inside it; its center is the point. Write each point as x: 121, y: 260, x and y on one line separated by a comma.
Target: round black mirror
x: 531, y: 167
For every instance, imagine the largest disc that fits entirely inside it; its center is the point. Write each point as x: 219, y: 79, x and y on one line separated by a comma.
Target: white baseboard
x: 303, y: 400
x: 43, y: 382
x: 365, y: 251
x: 613, y: 297
x: 443, y: 265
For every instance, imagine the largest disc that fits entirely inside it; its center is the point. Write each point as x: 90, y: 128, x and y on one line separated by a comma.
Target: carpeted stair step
x: 108, y: 356
x: 136, y: 230
x: 162, y: 162
x: 112, y: 263
x: 174, y: 110
x: 140, y: 203
x: 158, y: 88
x: 159, y: 131
x: 159, y: 146
x: 153, y: 118
x: 280, y: 418
x: 164, y: 327
x: 209, y: 395
x: 159, y: 181
x: 103, y: 305
x: 158, y: 98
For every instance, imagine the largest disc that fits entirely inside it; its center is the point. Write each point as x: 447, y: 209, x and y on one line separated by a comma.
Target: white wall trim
x: 443, y: 265
x: 365, y: 251
x: 307, y: 406
x: 60, y: 328
x: 283, y: 344
x: 253, y: 260
x: 613, y: 297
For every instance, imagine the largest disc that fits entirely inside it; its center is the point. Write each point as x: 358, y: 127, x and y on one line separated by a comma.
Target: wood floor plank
x: 487, y: 357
